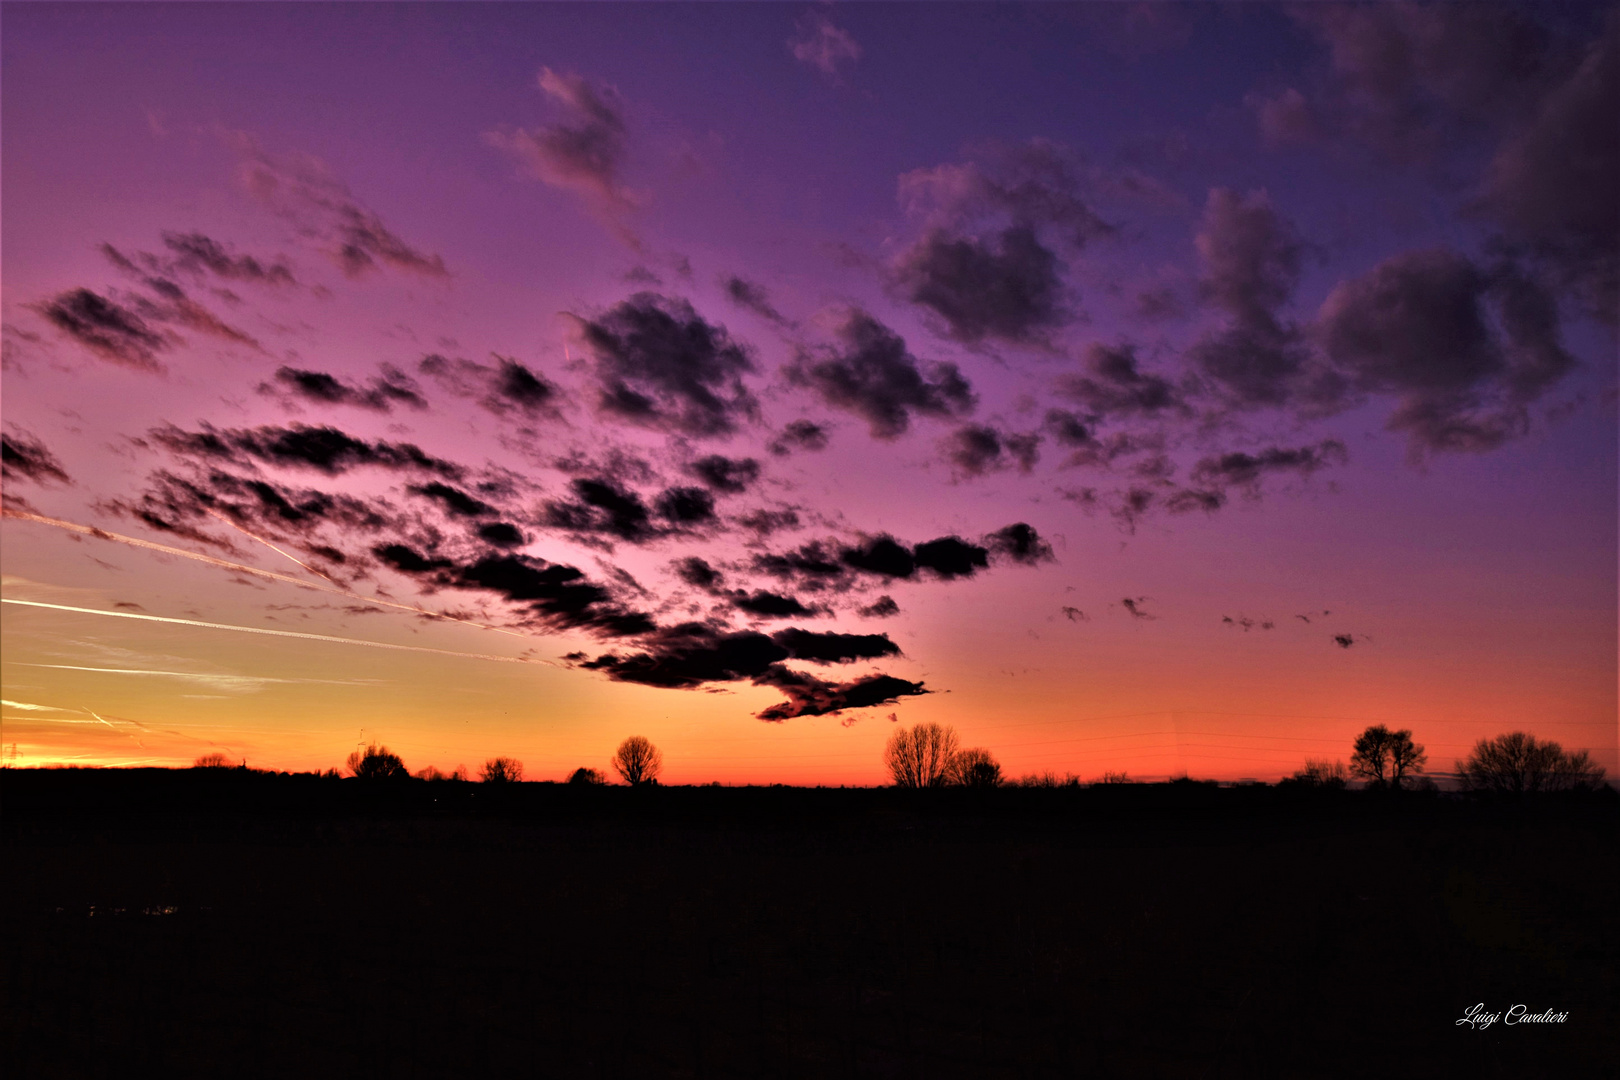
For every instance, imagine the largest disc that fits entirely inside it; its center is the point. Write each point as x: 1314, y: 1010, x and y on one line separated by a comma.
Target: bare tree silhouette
x: 919, y: 757
x: 638, y: 761
x: 1384, y: 757
x: 583, y: 775
x: 974, y: 767
x: 216, y: 760
x: 501, y: 770
x: 376, y: 763
x: 1519, y: 763
x: 1322, y: 774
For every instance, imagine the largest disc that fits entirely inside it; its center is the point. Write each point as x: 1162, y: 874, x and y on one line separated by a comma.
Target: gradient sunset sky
x: 1167, y: 388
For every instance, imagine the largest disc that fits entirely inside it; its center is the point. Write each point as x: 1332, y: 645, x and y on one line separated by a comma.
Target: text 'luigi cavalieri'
x: 1479, y: 1017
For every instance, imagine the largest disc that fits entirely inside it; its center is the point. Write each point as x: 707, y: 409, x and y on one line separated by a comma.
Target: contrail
x: 226, y: 564
x: 270, y: 633
x: 269, y: 545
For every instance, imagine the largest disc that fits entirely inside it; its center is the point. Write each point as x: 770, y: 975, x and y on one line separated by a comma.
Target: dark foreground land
x: 233, y: 924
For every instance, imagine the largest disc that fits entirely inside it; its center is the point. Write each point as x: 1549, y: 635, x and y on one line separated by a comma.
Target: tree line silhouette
x: 929, y: 755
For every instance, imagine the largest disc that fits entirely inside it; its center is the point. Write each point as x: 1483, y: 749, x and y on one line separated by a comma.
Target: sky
x: 1160, y: 388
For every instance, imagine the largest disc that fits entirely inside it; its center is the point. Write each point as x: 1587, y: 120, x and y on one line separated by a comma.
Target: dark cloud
x: 584, y: 153
x: 985, y: 261
x: 196, y: 253
x: 769, y: 605
x: 112, y: 332
x: 1133, y: 604
x: 1244, y: 623
x: 454, y: 500
x: 873, y: 376
x: 764, y: 522
x: 182, y: 504
x: 325, y: 449
x: 23, y: 457
x: 882, y: 608
x: 1067, y: 428
x: 1073, y: 614
x: 1008, y: 287
x: 682, y: 506
x: 729, y: 475
x: 501, y: 388
x: 810, y: 696
x: 691, y: 654
x: 302, y: 188
x: 1344, y: 641
x: 799, y: 435
x: 556, y: 596
x: 975, y: 449
x: 386, y: 390
x: 833, y: 648
x: 1034, y: 185
x: 174, y: 306
x: 1113, y: 386
x: 1020, y: 543
x: 1411, y: 79
x: 751, y: 295
x: 697, y: 572
x: 502, y: 534
x: 1240, y: 469
x: 1251, y: 257
x: 1551, y: 185
x: 659, y: 364
x: 602, y: 506
x: 815, y: 565
x: 1419, y: 326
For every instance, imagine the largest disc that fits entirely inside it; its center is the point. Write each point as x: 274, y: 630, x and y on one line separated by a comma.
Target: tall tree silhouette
x: 638, y: 761
x: 377, y: 763
x: 1384, y: 757
x: 501, y: 770
x: 974, y: 767
x: 920, y: 756
x: 1519, y: 763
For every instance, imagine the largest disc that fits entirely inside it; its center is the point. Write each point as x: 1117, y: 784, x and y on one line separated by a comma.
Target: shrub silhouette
x: 1519, y: 764
x: 583, y: 775
x: 377, y: 763
x: 1116, y: 778
x: 638, y: 761
x: 1329, y: 774
x: 974, y: 768
x: 919, y: 757
x: 501, y: 770
x: 215, y: 760
x: 1384, y: 757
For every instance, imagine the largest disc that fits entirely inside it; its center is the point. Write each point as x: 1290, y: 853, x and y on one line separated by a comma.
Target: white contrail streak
x: 262, y: 630
x: 226, y: 564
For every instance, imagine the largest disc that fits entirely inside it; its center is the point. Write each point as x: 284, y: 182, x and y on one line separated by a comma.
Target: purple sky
x: 1198, y: 383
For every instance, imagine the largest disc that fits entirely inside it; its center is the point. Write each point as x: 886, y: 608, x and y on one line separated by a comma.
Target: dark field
x: 225, y: 924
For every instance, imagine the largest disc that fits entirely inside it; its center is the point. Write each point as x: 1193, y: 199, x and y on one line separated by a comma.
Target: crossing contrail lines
x: 226, y: 564
x: 271, y: 633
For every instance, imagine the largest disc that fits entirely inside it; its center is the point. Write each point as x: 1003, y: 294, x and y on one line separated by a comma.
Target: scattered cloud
x: 108, y: 330
x: 24, y: 457
x: 870, y: 374
x: 318, y: 387
x: 661, y: 365
x: 303, y: 189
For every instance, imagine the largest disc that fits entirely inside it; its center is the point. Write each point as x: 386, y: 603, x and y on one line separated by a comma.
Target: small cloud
x: 819, y: 44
